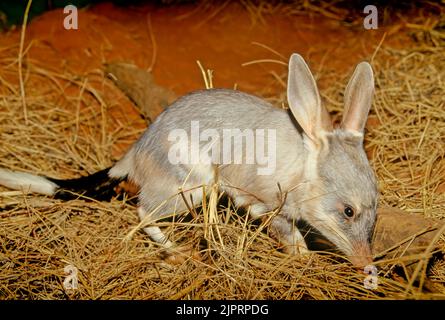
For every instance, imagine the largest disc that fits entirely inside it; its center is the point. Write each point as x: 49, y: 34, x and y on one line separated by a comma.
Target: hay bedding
x: 67, y: 135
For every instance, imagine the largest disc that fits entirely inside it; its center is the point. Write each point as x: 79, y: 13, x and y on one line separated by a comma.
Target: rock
x: 405, y: 237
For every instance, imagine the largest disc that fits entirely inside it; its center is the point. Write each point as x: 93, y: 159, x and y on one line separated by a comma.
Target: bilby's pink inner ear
x: 358, y: 98
x: 304, y: 99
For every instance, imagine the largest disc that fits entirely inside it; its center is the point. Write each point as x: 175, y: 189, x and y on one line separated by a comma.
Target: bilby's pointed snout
x: 362, y: 255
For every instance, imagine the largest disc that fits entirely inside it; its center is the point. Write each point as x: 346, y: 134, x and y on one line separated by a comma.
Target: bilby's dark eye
x: 348, y: 211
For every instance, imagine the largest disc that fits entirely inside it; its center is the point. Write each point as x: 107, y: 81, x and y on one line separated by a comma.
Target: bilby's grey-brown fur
x: 322, y: 170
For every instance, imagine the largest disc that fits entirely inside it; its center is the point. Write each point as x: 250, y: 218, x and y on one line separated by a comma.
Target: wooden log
x: 140, y: 87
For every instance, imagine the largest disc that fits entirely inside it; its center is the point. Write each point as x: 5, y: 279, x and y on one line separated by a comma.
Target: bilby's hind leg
x: 289, y: 235
x: 155, y: 233
x: 175, y: 254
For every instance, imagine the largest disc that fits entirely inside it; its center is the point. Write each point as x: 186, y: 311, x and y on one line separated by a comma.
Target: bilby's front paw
x: 180, y: 254
x: 296, y: 249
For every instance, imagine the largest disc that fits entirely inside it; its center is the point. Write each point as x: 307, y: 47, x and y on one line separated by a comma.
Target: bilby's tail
x: 99, y: 185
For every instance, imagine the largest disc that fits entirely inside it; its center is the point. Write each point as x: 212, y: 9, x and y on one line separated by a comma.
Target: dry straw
x: 238, y: 260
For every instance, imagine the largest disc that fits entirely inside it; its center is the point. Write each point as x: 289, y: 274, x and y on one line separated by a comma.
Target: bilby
x: 323, y: 171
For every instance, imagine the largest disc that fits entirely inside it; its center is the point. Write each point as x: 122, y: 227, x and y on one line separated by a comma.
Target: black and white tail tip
x: 99, y: 186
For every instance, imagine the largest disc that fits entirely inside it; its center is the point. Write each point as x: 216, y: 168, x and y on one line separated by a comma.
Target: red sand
x: 222, y: 42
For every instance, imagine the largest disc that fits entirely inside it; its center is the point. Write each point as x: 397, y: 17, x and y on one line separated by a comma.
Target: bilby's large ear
x: 304, y: 100
x: 358, y: 98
